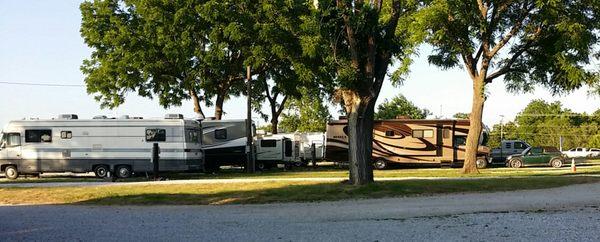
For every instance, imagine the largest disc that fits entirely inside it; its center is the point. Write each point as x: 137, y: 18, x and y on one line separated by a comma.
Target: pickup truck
x: 581, y: 152
x: 507, y: 148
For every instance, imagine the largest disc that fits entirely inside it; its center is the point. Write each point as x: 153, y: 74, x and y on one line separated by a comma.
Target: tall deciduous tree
x: 363, y: 39
x: 153, y: 48
x: 400, y: 106
x: 527, y: 42
x: 308, y: 113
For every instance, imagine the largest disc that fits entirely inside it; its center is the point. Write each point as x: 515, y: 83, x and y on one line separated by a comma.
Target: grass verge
x: 270, y: 192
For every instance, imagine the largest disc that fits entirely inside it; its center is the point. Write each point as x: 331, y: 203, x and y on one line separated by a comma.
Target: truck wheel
x: 481, y: 163
x: 123, y: 171
x: 11, y: 172
x: 380, y: 164
x: 556, y: 163
x: 101, y: 171
x: 516, y: 163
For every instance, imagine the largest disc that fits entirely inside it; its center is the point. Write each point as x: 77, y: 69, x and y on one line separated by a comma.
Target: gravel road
x: 566, y: 213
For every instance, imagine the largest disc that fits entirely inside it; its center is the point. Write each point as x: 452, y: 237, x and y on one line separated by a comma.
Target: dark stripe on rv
x: 109, y: 150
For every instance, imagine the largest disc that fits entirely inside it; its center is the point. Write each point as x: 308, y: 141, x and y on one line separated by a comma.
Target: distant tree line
x: 543, y: 124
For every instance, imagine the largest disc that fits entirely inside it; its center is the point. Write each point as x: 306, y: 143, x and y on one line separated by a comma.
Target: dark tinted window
x: 38, y: 136
x: 268, y: 143
x: 460, y: 140
x: 156, y: 135
x: 389, y: 133
x: 508, y: 145
x: 221, y: 134
x: 519, y: 145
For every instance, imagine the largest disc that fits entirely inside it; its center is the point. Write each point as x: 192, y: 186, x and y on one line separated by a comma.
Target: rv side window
x: 508, y: 145
x: 13, y: 140
x: 446, y: 133
x: 389, y: 133
x: 192, y: 136
x: 428, y: 133
x: 268, y: 143
x: 460, y: 140
x: 221, y: 134
x: 156, y: 135
x: 38, y: 136
x: 66, y: 134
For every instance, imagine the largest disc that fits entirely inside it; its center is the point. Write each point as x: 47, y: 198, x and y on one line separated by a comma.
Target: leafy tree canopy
x: 400, y: 106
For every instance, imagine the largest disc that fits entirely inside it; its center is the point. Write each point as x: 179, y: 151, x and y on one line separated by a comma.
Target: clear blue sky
x: 40, y: 43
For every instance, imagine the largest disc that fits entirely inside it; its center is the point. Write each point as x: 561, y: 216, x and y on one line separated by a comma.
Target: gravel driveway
x: 539, y: 215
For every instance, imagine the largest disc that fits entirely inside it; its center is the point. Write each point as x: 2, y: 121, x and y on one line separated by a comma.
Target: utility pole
x: 501, y: 128
x: 250, y: 168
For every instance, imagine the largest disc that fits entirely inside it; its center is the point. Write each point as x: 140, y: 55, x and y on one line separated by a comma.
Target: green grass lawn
x: 334, y: 172
x: 270, y: 192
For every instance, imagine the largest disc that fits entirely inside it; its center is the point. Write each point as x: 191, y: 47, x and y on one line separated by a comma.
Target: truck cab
x: 507, y: 148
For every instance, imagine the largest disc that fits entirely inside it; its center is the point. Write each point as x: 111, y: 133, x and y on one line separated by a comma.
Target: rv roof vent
x: 100, y: 117
x: 67, y: 116
x: 174, y: 116
x: 124, y: 117
x: 137, y: 118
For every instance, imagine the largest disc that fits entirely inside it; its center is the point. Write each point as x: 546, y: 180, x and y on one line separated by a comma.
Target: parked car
x: 537, y: 156
x: 594, y: 153
x: 581, y: 152
x: 507, y: 148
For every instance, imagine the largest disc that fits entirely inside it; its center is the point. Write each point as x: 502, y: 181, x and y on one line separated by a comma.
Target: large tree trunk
x: 360, y: 113
x: 476, y: 125
x: 196, y: 101
x: 274, y: 124
x: 219, y: 106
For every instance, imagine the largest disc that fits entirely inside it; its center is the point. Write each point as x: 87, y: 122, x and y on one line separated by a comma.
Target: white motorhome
x: 224, y: 142
x: 102, y: 145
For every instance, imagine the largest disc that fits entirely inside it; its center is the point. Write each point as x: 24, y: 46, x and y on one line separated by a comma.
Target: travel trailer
x: 307, y: 140
x: 273, y: 150
x: 408, y: 141
x: 101, y: 145
x: 224, y: 142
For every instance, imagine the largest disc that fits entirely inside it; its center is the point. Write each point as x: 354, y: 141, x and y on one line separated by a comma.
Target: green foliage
x: 461, y: 116
x: 170, y: 48
x: 529, y: 42
x: 148, y: 47
x: 542, y: 124
x: 305, y: 114
x: 400, y: 106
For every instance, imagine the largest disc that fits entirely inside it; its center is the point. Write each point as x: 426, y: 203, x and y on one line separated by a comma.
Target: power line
x: 40, y: 84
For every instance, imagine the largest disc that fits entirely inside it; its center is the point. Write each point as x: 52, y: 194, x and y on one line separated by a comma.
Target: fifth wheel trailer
x: 410, y: 141
x: 121, y: 146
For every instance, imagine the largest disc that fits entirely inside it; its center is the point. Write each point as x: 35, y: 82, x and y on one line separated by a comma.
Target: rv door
x: 289, y: 149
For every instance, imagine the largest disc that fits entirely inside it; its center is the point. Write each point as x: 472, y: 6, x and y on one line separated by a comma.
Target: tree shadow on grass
x: 335, y: 191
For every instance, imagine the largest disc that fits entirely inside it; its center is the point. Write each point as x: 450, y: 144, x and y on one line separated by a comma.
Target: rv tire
x: 123, y: 171
x: 260, y: 166
x: 101, y: 171
x: 380, y: 164
x: 11, y: 172
x: 481, y: 163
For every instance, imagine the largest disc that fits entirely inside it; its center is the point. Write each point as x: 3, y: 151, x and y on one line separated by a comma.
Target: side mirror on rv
x: 3, y: 145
